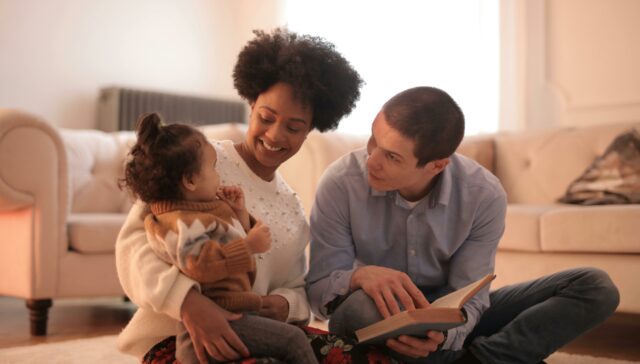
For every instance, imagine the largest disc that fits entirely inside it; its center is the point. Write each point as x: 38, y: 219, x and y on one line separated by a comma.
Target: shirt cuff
x: 450, y: 342
x: 298, y: 308
x: 340, y: 286
x: 446, y: 345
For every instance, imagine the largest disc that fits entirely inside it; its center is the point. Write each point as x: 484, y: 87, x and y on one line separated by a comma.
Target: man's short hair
x: 430, y: 117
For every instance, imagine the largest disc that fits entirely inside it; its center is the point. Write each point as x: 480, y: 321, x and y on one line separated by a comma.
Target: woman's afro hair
x: 319, y: 75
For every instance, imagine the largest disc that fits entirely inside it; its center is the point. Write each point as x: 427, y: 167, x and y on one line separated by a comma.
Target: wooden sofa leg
x: 38, y: 315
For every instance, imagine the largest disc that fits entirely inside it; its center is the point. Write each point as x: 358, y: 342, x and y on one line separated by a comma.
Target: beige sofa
x: 542, y: 236
x: 61, y: 208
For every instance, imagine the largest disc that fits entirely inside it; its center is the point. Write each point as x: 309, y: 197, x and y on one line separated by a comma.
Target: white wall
x: 452, y: 45
x: 594, y: 60
x: 570, y: 62
x: 56, y: 55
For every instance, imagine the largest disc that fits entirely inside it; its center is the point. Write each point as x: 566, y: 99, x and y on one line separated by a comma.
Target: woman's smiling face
x: 278, y: 125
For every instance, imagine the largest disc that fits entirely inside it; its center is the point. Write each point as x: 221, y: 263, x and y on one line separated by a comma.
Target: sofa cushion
x: 480, y: 148
x: 314, y: 156
x: 94, y: 233
x: 522, y: 227
x: 537, y: 166
x: 606, y: 228
x: 229, y: 131
x: 96, y: 162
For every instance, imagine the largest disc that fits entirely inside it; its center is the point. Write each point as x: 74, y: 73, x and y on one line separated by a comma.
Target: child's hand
x: 259, y: 238
x: 233, y: 195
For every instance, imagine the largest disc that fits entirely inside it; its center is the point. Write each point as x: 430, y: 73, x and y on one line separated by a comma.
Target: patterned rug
x: 102, y: 350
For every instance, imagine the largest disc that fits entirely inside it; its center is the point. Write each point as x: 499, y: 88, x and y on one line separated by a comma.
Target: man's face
x: 393, y: 166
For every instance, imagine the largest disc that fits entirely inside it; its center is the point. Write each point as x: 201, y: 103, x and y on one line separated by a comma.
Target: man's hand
x: 415, y: 347
x: 386, y: 287
x: 274, y: 307
x: 208, y: 326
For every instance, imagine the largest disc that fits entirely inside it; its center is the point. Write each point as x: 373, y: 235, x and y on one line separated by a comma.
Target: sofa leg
x: 38, y: 315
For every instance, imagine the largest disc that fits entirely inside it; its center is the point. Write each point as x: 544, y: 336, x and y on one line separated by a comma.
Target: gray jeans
x: 263, y: 337
x: 525, y: 323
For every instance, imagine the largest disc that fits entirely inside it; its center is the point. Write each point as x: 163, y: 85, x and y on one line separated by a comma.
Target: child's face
x: 207, y: 180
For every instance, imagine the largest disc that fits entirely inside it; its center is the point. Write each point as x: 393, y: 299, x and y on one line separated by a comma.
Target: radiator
x: 119, y: 108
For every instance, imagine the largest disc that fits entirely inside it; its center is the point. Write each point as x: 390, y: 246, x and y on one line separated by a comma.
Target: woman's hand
x: 274, y: 307
x: 414, y: 347
x: 208, y: 326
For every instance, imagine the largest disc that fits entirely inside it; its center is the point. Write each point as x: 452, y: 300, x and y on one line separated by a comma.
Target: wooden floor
x: 617, y: 338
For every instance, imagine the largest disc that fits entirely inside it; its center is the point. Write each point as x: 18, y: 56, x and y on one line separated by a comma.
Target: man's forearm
x: 326, y: 290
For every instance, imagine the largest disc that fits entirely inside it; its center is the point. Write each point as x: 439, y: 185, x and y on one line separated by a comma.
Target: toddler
x: 205, y: 230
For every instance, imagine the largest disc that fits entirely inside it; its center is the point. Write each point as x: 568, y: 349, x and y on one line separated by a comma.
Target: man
x: 407, y: 220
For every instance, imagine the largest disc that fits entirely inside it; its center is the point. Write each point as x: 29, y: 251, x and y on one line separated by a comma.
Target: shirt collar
x: 443, y: 186
x: 440, y: 193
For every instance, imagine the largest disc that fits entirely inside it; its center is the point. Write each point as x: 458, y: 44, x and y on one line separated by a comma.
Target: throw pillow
x: 613, y: 177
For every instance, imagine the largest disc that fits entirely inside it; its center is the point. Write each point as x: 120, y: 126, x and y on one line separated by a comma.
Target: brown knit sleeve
x: 156, y: 231
x: 217, y: 262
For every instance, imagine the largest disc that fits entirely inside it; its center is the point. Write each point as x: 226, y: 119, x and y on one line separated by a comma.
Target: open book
x: 443, y: 314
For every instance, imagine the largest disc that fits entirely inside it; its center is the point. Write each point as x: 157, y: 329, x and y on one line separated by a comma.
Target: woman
x: 293, y: 84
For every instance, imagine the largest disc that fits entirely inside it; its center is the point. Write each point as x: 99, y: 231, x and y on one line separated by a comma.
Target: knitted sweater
x: 206, y: 241
x: 159, y: 288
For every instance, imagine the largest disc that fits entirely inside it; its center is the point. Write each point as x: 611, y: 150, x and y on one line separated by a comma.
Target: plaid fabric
x: 613, y: 177
x: 329, y: 349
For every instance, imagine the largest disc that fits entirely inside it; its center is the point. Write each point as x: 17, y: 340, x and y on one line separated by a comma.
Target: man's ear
x: 187, y: 183
x: 438, y: 165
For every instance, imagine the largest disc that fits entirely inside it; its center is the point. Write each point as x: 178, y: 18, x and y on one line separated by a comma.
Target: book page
x: 458, y: 298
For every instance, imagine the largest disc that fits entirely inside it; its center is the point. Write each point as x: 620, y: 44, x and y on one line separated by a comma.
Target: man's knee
x: 595, y: 288
x: 605, y: 292
x: 357, y: 311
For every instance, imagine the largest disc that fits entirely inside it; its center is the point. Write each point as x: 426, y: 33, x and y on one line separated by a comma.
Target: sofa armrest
x: 33, y: 204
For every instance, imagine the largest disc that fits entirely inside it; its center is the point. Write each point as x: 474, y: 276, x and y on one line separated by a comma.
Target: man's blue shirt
x: 446, y: 241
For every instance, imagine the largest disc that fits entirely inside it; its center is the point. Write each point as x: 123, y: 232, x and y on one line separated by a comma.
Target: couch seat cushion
x: 591, y: 229
x: 522, y: 227
x: 94, y: 233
